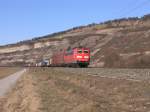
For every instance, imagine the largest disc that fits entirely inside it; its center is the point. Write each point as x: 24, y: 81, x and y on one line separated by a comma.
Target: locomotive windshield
x: 86, y: 51
x: 83, y: 51
x: 79, y: 51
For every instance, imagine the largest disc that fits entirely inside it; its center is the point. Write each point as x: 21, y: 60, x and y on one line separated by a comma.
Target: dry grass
x: 23, y: 97
x: 54, y: 90
x: 69, y: 92
x: 6, y: 71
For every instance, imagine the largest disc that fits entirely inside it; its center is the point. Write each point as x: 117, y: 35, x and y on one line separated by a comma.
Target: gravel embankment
x: 128, y: 74
x: 76, y: 90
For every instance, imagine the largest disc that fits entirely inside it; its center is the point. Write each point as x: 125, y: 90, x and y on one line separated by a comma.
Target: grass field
x: 71, y: 92
x: 55, y: 90
x: 6, y: 71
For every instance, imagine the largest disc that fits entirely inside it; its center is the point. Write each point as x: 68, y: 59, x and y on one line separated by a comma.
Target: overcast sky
x: 26, y: 19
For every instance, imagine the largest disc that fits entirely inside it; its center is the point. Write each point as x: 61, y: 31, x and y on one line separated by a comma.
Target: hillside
x: 117, y: 43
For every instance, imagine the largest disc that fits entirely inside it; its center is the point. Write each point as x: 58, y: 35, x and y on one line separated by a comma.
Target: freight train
x: 72, y: 57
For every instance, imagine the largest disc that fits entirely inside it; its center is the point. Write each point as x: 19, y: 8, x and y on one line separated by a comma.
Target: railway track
x: 126, y: 74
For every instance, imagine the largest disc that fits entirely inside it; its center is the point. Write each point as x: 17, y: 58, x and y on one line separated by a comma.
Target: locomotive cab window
x: 69, y: 52
x: 86, y: 51
x: 79, y: 51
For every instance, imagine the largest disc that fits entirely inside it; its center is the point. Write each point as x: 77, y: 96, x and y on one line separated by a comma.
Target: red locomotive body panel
x: 71, y: 57
x: 58, y: 58
x: 82, y: 55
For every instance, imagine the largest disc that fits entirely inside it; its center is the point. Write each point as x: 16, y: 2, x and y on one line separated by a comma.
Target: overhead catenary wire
x: 123, y: 9
x: 135, y: 8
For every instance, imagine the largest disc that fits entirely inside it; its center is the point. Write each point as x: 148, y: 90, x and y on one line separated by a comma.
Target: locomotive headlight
x: 79, y: 56
x: 86, y: 57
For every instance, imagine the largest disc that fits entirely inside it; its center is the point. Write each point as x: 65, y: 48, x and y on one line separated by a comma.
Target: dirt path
x: 24, y: 96
x: 7, y: 71
x: 6, y: 83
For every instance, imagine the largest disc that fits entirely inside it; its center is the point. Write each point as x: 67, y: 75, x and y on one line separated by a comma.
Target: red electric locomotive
x: 72, y: 57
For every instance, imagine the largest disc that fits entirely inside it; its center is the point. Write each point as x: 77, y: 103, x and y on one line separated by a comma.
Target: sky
x: 27, y: 19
